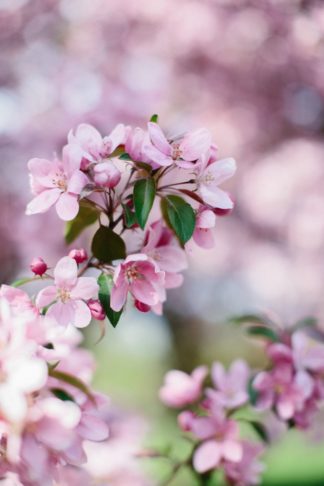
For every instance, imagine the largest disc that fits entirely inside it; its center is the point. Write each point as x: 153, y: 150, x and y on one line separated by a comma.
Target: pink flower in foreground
x: 220, y: 437
x: 70, y: 294
x: 231, y: 386
x: 190, y: 148
x: 136, y: 140
x: 203, y: 234
x: 160, y: 245
x: 140, y: 276
x: 57, y: 182
x: 92, y: 146
x: 181, y: 389
x: 247, y: 471
x: 210, y: 178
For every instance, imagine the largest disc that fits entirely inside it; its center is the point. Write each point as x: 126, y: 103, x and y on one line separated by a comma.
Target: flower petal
x: 82, y: 313
x: 86, y: 288
x: 158, y: 138
x: 43, y: 201
x: 207, y: 456
x: 67, y: 206
x: 46, y: 296
x: 66, y: 272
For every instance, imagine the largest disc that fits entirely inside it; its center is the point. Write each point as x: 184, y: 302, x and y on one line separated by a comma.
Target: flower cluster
x: 47, y: 409
x: 116, y: 181
x: 290, y: 389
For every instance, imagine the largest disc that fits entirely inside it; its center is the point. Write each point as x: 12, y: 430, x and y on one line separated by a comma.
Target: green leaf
x: 261, y: 430
x: 62, y: 395
x: 305, y: 322
x: 129, y: 216
x: 252, y: 319
x: 154, y: 118
x: 107, y: 245
x: 144, y: 166
x: 180, y: 216
x: 105, y: 283
x: 70, y: 380
x: 125, y: 156
x: 86, y: 216
x: 253, y: 393
x: 144, y: 194
x: 264, y: 332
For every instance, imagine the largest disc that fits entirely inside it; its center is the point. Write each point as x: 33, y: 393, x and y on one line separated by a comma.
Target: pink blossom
x: 140, y: 276
x: 57, y: 182
x: 247, y: 471
x: 38, y: 266
x: 205, y: 222
x: 96, y: 310
x: 209, y: 179
x: 92, y: 146
x: 160, y: 245
x: 307, y: 352
x: 220, y: 437
x: 68, y: 294
x: 186, y: 151
x: 136, y: 140
x: 284, y: 390
x: 181, y: 389
x: 106, y: 174
x: 231, y: 386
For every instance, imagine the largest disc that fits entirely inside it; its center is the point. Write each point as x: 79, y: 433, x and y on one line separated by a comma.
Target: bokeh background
x: 252, y: 71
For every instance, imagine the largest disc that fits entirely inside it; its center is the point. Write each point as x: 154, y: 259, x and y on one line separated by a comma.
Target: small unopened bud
x: 79, y: 255
x: 38, y: 266
x: 96, y: 310
x: 185, y: 420
x: 106, y: 174
x: 141, y: 306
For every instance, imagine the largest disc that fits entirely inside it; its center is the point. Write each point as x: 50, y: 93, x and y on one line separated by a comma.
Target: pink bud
x: 79, y: 255
x: 106, y: 174
x: 142, y: 307
x: 185, y: 420
x: 222, y: 212
x: 38, y: 266
x: 96, y: 310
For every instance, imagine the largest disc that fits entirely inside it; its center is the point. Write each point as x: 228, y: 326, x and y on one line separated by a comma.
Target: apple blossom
x: 231, y: 386
x: 209, y: 179
x: 79, y: 255
x: 67, y: 298
x: 181, y: 389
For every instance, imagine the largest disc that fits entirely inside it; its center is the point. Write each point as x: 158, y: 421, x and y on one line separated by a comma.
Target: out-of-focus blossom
x: 231, y: 386
x: 246, y: 472
x: 181, y: 389
x: 209, y: 180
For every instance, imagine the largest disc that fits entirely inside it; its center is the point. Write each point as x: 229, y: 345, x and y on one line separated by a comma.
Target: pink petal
x: 64, y: 314
x: 86, y: 288
x: 195, y: 144
x: 77, y: 182
x: 204, y: 238
x: 39, y: 167
x: 206, y: 219
x: 66, y: 273
x: 144, y: 291
x: 158, y: 138
x: 30, y: 375
x: 232, y: 450
x: 42, y: 202
x: 220, y: 170
x: 82, y: 314
x: 204, y: 427
x: 116, y: 137
x: 72, y: 157
x: 93, y: 428
x: 170, y: 258
x: 215, y: 197
x: 218, y: 376
x: 119, y: 296
x: 156, y: 156
x: 173, y: 280
x: 46, y: 296
x: 207, y: 456
x: 67, y: 207
x: 88, y: 136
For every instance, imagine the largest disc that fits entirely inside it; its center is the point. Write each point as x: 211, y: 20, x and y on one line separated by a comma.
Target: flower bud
x: 38, y: 266
x: 141, y: 306
x: 106, y: 174
x: 79, y: 255
x: 96, y: 310
x: 185, y: 420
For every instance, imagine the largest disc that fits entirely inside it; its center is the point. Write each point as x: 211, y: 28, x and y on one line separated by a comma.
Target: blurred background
x: 251, y: 71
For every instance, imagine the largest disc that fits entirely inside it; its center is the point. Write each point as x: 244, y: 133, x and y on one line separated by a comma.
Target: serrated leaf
x: 86, y: 216
x: 263, y: 332
x: 105, y: 283
x: 143, y: 196
x: 154, y: 118
x: 62, y: 395
x: 107, y: 246
x: 129, y: 216
x: 180, y: 216
x: 125, y: 156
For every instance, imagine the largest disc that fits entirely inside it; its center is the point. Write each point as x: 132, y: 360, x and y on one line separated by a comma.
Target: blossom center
x: 63, y: 295
x: 132, y: 273
x: 60, y: 181
x: 176, y: 151
x: 208, y: 178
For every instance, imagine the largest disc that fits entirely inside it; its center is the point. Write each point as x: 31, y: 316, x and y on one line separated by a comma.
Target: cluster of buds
x: 152, y: 197
x: 289, y: 390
